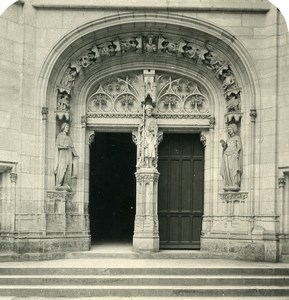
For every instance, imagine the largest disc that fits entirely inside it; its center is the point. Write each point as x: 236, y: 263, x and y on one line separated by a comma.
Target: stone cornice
x: 188, y: 5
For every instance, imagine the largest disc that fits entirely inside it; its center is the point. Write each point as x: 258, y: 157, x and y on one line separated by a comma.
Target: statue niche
x: 232, y: 164
x: 66, y: 160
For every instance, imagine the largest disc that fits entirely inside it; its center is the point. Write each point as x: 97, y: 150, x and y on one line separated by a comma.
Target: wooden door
x: 181, y: 191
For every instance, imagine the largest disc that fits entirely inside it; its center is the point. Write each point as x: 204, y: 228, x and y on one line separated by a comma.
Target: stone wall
x: 30, y: 31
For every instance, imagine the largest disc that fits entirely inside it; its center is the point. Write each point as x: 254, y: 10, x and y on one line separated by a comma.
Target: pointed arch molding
x: 166, y: 37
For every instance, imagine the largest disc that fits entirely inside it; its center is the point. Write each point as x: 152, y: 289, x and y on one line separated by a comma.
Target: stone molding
x: 234, y: 196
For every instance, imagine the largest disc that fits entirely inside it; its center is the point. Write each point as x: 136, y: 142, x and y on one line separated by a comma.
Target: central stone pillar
x: 146, y: 228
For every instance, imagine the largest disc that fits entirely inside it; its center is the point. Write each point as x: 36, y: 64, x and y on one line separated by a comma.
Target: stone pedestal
x: 146, y: 228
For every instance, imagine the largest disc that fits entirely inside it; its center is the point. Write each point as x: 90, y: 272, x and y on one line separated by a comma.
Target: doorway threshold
x: 125, y: 250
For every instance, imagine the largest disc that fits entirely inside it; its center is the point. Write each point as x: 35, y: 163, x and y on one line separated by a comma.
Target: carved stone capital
x: 212, y: 122
x: 281, y: 182
x: 13, y: 177
x: 91, y: 139
x: 147, y: 177
x: 253, y: 114
x: 203, y: 140
x: 44, y: 112
x: 234, y: 196
x: 83, y: 121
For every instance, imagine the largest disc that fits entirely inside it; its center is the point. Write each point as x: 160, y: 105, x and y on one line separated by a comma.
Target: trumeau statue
x: 232, y: 165
x: 65, y: 155
x: 148, y: 140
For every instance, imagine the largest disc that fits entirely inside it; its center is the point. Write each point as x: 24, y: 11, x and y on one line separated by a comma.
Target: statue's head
x: 232, y: 128
x: 148, y: 110
x: 64, y: 127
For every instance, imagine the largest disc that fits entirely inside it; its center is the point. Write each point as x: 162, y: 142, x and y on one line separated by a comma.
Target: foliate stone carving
x: 83, y: 121
x: 253, y: 114
x: 203, y: 140
x: 63, y: 101
x: 44, y: 112
x: 232, y: 164
x: 212, y: 122
x: 91, y: 139
x: 147, y: 178
x: 151, y: 43
x: 62, y: 195
x: 13, y: 177
x: 66, y: 160
x: 281, y: 182
x: 234, y: 197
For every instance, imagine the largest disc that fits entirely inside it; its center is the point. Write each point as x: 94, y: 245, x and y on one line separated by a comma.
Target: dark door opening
x: 112, y: 187
x: 181, y: 191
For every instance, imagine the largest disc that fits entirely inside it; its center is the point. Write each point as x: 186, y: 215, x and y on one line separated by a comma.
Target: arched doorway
x: 218, y: 68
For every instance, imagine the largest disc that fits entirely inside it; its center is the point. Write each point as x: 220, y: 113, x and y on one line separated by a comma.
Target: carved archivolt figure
x: 65, y: 155
x: 231, y: 167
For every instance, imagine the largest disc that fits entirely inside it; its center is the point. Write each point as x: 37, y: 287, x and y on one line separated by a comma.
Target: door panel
x: 181, y: 190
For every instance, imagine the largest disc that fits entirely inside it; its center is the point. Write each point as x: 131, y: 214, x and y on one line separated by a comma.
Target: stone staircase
x: 144, y: 278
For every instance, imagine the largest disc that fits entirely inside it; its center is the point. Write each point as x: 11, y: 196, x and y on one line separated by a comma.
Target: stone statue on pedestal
x: 232, y: 165
x: 65, y: 155
x: 148, y: 139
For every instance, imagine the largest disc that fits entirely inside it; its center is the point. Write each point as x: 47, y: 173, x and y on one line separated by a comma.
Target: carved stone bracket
x: 63, y: 115
x: 13, y: 177
x: 233, y: 117
x: 44, y: 112
x: 91, y: 139
x: 234, y: 197
x: 281, y: 182
x: 140, y: 177
x: 203, y: 140
x: 253, y: 114
x: 60, y: 195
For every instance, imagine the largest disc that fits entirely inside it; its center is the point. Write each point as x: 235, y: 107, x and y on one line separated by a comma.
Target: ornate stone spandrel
x: 232, y: 160
x: 65, y: 161
x: 234, y: 197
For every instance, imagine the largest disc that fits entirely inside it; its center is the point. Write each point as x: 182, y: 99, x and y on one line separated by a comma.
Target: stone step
x: 145, y: 280
x: 262, y: 271
x: 142, y: 291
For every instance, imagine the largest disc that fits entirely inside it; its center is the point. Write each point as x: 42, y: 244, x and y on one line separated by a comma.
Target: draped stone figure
x: 148, y: 138
x: 232, y: 165
x: 65, y: 154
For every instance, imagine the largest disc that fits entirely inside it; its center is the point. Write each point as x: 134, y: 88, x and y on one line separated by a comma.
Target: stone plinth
x: 146, y: 228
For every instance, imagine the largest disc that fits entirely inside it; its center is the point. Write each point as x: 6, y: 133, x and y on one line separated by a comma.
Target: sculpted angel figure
x: 231, y: 167
x: 65, y: 153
